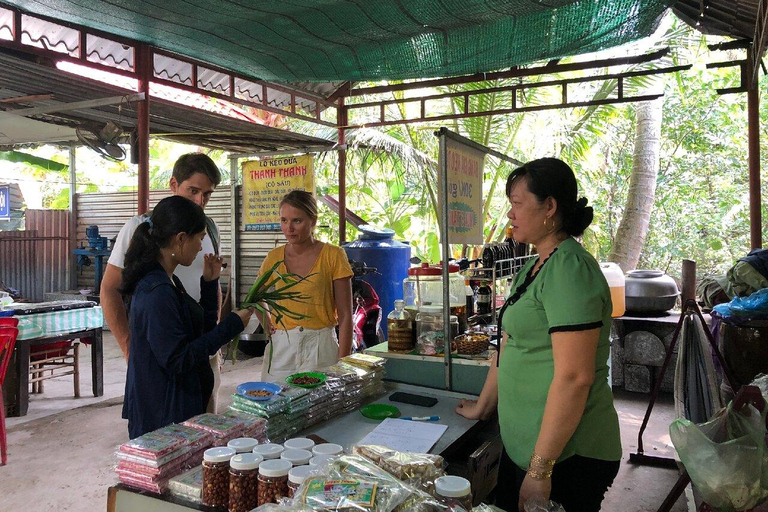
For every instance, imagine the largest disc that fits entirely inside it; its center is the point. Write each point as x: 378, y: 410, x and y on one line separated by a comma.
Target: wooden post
x: 753, y: 144
x: 689, y: 281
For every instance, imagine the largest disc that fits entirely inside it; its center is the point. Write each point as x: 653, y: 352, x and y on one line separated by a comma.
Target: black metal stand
x: 639, y: 457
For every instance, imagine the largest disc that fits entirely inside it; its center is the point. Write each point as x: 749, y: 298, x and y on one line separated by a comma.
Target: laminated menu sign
x: 266, y: 181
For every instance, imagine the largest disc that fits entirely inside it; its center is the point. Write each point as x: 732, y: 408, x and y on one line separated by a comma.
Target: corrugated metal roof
x: 22, y: 76
x: 735, y: 18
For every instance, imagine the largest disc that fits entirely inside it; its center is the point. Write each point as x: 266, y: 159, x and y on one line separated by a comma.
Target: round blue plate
x: 245, y: 387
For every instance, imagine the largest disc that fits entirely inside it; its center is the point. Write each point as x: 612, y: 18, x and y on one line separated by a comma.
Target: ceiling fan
x: 104, y: 141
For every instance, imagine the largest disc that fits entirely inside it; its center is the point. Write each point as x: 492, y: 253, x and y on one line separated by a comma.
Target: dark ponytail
x: 551, y: 177
x: 171, y: 216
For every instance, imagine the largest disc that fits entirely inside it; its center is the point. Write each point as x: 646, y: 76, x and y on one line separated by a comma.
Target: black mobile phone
x: 408, y: 398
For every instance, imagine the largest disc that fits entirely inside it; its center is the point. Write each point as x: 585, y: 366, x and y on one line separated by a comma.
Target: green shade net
x: 332, y: 40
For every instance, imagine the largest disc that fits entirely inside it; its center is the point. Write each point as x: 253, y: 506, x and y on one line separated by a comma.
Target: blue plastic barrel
x: 376, y: 247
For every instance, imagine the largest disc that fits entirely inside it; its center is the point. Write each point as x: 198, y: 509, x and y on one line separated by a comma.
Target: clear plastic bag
x: 540, y: 505
x: 725, y: 457
x: 352, y: 483
x: 417, y: 469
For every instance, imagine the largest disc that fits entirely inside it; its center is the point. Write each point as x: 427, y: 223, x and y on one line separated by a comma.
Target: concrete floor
x: 61, y: 454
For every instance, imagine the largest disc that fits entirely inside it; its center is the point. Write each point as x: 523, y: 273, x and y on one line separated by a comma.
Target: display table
x: 429, y: 371
x: 345, y: 430
x: 84, y: 324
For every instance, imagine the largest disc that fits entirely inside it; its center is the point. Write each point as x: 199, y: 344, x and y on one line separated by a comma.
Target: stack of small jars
x: 246, y: 474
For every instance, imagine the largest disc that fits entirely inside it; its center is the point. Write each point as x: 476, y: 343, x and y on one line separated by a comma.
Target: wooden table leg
x: 22, y: 375
x: 97, y: 363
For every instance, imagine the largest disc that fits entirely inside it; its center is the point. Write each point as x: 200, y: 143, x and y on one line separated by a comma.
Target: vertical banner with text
x: 266, y: 181
x: 464, y: 198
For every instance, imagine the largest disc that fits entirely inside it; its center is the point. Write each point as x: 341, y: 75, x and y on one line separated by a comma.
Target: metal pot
x: 253, y: 344
x: 650, y: 290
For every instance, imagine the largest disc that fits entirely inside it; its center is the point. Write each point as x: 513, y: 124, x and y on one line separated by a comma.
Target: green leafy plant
x: 268, y: 296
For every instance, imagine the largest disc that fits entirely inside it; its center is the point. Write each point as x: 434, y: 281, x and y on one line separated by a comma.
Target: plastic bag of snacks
x: 417, y: 469
x: 265, y: 408
x: 156, y: 449
x: 192, y: 437
x: 188, y: 485
x: 365, y: 360
x: 351, y: 482
x: 253, y: 426
x: 223, y: 428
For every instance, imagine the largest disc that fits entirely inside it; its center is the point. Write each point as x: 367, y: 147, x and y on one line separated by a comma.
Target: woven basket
x: 471, y: 344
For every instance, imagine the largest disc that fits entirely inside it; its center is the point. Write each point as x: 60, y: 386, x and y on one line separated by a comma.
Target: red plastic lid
x: 452, y: 267
x: 431, y: 270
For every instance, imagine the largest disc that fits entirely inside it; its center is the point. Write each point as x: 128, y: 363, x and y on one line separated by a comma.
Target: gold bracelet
x: 539, y: 475
x: 538, y: 461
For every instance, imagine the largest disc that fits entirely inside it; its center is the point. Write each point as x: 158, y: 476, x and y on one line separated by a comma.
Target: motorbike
x: 366, y: 317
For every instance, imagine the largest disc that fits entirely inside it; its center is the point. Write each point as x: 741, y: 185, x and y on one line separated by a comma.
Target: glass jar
x: 299, y: 443
x: 243, y: 444
x: 400, y: 328
x: 216, y: 476
x: 454, y: 490
x: 297, y: 457
x: 431, y: 335
x: 424, y: 286
x: 244, y: 482
x: 269, y: 450
x: 273, y: 480
x: 296, y: 477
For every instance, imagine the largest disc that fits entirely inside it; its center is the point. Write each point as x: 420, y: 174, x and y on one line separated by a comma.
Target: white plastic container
x: 243, y: 444
x: 297, y: 457
x: 299, y: 443
x: 318, y: 461
x: 269, y: 450
x: 329, y: 449
x: 454, y: 490
x: 615, y: 278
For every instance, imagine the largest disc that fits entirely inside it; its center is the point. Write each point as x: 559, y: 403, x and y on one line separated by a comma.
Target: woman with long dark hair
x: 172, y: 336
x: 556, y: 415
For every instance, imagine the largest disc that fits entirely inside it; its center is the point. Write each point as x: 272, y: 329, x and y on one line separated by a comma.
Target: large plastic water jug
x: 615, y: 278
x: 377, y: 248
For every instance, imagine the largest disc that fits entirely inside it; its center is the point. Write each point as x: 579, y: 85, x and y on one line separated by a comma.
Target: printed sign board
x: 464, y: 198
x: 266, y: 181
x: 5, y: 202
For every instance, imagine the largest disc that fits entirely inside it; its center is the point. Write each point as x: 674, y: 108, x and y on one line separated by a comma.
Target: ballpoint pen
x: 421, y: 418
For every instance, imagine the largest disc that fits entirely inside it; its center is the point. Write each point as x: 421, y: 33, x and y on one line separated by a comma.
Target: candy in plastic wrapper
x: 192, y: 437
x: 364, y: 360
x: 188, y: 485
x: 171, y: 468
x: 155, y: 446
x: 154, y: 463
x: 155, y: 487
x: 217, y: 424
